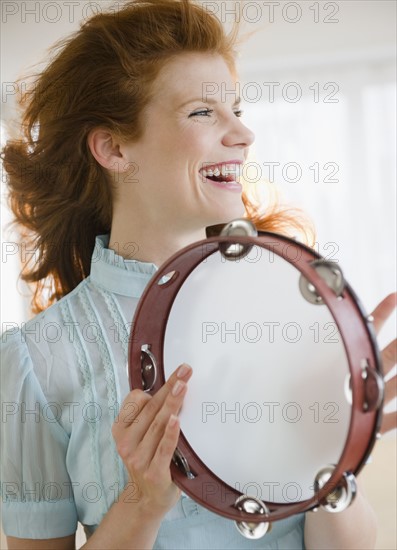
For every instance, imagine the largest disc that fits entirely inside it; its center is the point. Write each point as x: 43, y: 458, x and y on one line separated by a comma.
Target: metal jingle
x: 331, y: 273
x: 180, y: 460
x: 341, y: 496
x: 237, y: 228
x: 251, y: 530
x: 374, y: 387
x: 148, y: 368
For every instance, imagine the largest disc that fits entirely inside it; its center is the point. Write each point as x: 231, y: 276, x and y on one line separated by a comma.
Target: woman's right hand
x: 146, y: 433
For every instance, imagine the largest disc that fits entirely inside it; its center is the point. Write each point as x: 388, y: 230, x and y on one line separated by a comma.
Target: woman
x: 108, y: 182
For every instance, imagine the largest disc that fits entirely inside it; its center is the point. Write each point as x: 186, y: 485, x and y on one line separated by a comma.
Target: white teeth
x: 224, y: 170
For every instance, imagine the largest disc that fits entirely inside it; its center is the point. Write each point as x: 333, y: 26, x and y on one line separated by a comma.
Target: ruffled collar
x: 116, y: 274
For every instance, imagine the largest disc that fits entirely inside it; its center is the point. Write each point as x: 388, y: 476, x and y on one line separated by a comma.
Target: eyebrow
x: 209, y: 101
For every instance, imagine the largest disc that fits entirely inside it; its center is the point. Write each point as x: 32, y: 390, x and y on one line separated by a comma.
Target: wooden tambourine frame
x: 323, y: 282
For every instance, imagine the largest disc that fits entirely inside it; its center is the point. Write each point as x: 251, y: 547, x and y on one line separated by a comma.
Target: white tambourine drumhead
x: 285, y: 372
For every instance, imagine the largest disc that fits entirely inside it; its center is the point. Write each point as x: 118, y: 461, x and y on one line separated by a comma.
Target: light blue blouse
x: 63, y: 379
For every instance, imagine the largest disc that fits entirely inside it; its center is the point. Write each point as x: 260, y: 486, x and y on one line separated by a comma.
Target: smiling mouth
x: 222, y: 173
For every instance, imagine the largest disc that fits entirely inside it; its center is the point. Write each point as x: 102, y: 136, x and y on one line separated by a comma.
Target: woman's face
x: 191, y: 124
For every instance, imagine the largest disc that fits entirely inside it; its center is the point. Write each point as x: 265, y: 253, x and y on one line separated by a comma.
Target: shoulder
x: 40, y: 346
x: 43, y: 328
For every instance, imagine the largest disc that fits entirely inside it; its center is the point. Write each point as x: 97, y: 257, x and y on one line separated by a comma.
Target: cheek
x: 180, y: 150
x: 197, y: 149
x: 196, y: 140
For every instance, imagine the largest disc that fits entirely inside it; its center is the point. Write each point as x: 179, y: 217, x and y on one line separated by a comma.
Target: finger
x: 132, y: 405
x: 389, y: 422
x: 183, y: 373
x: 152, y: 407
x: 136, y: 400
x: 150, y: 438
x: 389, y: 357
x: 384, y: 310
x: 139, y: 446
x: 165, y: 450
x: 390, y: 390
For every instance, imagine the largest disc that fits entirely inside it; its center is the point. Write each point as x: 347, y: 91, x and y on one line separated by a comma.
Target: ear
x: 104, y: 148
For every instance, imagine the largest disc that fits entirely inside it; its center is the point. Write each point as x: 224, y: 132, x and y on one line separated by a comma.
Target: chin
x: 228, y: 213
x: 222, y: 213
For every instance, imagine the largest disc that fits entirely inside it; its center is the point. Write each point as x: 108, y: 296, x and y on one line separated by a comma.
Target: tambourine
x: 285, y: 401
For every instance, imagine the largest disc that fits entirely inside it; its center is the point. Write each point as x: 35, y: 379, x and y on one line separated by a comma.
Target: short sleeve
x: 37, y: 494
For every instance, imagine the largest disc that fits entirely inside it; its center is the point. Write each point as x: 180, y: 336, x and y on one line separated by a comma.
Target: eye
x: 202, y: 112
x: 239, y: 113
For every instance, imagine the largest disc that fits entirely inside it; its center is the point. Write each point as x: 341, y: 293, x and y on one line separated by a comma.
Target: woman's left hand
x: 389, y: 359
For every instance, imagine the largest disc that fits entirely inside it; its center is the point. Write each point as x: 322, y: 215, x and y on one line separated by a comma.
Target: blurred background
x: 318, y: 84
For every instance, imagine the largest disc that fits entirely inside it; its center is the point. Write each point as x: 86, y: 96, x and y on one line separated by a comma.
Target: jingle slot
x: 251, y: 530
x: 331, y: 273
x: 148, y: 368
x: 237, y: 228
x: 341, y: 496
x: 168, y: 278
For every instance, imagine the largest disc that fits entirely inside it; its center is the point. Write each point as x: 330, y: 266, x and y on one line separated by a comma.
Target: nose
x: 238, y: 135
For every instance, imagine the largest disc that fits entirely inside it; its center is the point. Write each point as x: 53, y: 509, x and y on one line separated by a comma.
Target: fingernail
x: 176, y: 390
x: 183, y: 370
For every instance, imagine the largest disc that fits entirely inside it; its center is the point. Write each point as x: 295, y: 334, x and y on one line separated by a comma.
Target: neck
x: 153, y: 244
